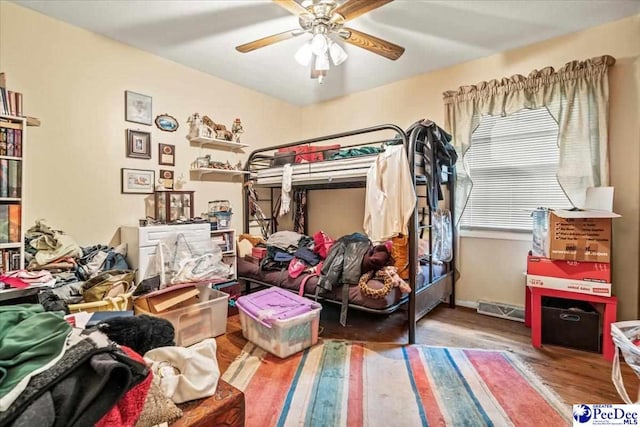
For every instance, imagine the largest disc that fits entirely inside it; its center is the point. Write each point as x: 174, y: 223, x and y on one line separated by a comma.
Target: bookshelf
x: 12, y: 137
x: 226, y: 240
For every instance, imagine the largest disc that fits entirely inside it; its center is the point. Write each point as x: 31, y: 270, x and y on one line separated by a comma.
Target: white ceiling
x: 435, y: 33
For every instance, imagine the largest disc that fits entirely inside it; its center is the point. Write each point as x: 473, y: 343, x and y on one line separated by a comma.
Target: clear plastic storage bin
x: 196, y: 322
x: 279, y: 321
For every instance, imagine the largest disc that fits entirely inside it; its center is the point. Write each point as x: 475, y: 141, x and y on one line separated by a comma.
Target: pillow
x: 158, y: 408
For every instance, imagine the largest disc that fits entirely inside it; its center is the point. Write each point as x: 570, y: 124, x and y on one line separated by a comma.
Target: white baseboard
x: 468, y: 304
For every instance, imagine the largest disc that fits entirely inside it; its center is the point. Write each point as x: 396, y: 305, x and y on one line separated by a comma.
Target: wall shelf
x: 203, y: 171
x: 10, y: 245
x: 218, y: 143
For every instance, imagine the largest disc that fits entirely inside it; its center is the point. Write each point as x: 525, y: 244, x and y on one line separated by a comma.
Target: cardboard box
x: 569, y: 285
x: 579, y: 238
x: 577, y: 270
x: 582, y: 234
x: 203, y: 316
x: 173, y: 297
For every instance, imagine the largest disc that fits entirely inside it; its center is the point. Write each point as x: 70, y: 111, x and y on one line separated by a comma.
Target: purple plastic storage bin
x: 279, y: 321
x: 273, y: 304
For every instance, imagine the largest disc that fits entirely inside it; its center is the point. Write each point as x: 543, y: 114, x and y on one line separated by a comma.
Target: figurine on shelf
x: 198, y: 128
x: 236, y: 129
x: 180, y: 182
x: 239, y: 165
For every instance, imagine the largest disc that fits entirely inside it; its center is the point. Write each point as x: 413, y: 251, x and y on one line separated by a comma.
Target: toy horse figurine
x: 206, y: 128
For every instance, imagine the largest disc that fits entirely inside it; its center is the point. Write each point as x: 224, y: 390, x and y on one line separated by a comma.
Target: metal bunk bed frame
x: 435, y: 291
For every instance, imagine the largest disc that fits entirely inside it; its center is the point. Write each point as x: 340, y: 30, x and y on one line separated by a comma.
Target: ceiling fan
x: 325, y: 20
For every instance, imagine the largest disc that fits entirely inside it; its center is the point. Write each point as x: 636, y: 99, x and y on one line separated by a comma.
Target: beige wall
x: 74, y: 81
x: 491, y: 268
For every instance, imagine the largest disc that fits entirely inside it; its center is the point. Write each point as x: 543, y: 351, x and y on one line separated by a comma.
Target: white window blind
x: 513, y: 162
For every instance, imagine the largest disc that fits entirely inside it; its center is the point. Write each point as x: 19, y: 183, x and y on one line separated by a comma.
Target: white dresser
x: 143, y: 241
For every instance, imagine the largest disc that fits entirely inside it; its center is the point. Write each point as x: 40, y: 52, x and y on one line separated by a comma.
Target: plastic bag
x: 442, y: 235
x: 624, y: 334
x: 178, y: 260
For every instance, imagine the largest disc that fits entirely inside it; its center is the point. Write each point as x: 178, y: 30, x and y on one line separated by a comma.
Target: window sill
x: 500, y: 235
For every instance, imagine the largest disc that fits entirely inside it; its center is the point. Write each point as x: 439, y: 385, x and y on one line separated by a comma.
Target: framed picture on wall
x: 138, y: 144
x: 138, y: 108
x: 137, y: 181
x: 166, y: 154
x: 166, y: 177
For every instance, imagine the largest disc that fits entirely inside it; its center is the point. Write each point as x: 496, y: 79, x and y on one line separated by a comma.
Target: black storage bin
x: 571, y: 323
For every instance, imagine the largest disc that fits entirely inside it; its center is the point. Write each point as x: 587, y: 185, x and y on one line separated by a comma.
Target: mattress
x: 330, y: 171
x: 248, y: 270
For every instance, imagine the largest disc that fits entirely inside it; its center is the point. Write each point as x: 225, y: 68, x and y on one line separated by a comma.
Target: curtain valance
x: 576, y: 96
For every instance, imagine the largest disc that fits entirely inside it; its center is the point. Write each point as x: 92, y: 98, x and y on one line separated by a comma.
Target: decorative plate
x: 166, y: 123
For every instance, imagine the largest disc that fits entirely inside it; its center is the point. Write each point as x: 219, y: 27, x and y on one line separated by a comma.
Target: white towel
x: 285, y: 201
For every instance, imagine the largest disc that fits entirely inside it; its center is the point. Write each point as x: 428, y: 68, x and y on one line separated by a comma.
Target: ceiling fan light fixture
x: 304, y: 54
x: 338, y: 54
x: 319, y: 44
x: 322, y: 62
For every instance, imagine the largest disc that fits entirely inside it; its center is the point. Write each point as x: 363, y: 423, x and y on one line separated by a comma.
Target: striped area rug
x: 341, y: 383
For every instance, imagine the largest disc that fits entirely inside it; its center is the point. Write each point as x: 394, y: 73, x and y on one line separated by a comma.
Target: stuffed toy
x: 377, y: 257
x: 390, y: 279
x: 140, y: 333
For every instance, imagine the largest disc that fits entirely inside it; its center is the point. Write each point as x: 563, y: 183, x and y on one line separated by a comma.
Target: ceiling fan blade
x: 266, y: 41
x: 354, y: 8
x: 292, y: 6
x: 374, y: 44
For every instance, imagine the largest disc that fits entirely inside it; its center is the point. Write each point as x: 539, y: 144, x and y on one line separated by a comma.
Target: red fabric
x: 306, y: 153
x: 128, y: 409
x: 322, y: 243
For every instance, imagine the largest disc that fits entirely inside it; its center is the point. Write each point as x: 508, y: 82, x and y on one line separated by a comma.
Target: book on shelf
x: 10, y: 142
x: 3, y: 109
x: 17, y: 149
x: 4, y: 105
x: 15, y: 223
x: 3, y: 141
x: 9, y: 259
x: 4, y: 223
x: 19, y: 180
x: 4, y: 178
x: 10, y: 101
x: 13, y: 187
x: 19, y: 104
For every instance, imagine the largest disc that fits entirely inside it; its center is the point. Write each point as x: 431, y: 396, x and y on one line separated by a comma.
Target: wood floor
x: 576, y: 376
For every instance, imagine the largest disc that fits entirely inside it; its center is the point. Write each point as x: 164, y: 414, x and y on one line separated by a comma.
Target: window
x: 512, y: 162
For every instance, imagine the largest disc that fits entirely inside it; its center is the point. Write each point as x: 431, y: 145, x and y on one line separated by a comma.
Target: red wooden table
x: 533, y: 314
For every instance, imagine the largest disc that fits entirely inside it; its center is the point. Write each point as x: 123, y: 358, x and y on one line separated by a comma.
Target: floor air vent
x: 505, y: 311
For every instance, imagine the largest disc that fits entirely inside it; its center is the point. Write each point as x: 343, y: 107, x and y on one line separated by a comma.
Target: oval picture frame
x: 166, y: 123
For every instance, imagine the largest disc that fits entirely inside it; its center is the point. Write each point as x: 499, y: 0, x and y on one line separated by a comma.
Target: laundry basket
x: 625, y: 335
x: 121, y: 302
